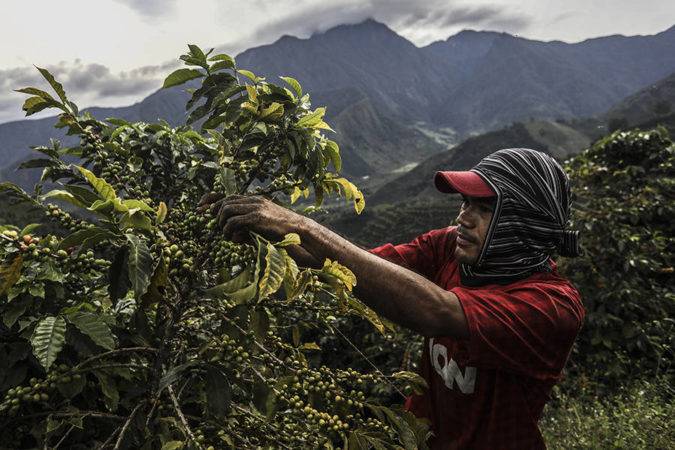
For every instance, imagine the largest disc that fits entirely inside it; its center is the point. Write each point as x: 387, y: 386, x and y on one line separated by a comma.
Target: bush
x: 624, y: 186
x: 137, y: 325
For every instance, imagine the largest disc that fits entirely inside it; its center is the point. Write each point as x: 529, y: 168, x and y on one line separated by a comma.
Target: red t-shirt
x: 489, y: 391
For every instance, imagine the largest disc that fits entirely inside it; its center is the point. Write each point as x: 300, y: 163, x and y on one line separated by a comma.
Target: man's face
x: 473, y: 220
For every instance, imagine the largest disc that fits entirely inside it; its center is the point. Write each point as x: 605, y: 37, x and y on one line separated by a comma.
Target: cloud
x: 85, y: 84
x: 431, y: 18
x: 150, y: 9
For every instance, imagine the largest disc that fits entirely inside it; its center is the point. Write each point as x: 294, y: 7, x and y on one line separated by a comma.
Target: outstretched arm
x: 397, y: 293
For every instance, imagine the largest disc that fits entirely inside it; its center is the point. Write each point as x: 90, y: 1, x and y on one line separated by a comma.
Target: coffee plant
x: 137, y: 324
x: 624, y: 188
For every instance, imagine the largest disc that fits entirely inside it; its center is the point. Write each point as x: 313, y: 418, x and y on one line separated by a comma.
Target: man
x: 499, y: 321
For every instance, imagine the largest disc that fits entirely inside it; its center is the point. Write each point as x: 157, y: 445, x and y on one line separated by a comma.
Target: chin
x: 463, y: 257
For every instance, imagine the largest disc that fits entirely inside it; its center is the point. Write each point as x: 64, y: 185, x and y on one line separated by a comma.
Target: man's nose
x: 465, y: 218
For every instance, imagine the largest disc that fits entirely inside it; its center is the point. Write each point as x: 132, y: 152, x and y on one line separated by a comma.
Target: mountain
x: 651, y: 106
x: 395, y: 104
x: 505, y: 78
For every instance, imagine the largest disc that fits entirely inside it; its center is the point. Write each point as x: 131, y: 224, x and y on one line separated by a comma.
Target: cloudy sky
x: 115, y: 52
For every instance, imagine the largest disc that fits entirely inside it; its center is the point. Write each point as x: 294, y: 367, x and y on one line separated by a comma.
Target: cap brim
x: 465, y: 182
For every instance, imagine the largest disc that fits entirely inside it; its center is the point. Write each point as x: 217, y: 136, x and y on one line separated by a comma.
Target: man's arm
x: 395, y: 292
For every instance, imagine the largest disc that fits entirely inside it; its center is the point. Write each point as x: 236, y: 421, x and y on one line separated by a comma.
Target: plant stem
x: 126, y: 426
x: 182, y: 417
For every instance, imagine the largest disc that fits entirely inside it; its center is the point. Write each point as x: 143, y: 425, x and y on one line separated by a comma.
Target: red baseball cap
x: 467, y: 182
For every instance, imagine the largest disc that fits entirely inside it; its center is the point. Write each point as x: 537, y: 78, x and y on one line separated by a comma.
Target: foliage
x: 624, y: 187
x: 638, y: 416
x: 137, y: 325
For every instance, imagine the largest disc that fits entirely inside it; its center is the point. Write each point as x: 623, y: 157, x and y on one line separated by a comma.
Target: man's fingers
x: 228, y: 210
x: 210, y: 198
x: 237, y: 224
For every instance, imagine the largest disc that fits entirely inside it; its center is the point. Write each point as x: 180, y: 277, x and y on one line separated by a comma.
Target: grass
x: 641, y: 416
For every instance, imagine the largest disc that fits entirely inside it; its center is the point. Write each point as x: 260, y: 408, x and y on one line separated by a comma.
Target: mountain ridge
x: 471, y: 83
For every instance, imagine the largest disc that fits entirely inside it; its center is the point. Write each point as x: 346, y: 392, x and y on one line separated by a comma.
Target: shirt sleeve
x: 424, y: 255
x: 528, y: 329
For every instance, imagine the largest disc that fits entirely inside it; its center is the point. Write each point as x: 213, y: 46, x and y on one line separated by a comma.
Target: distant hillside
x: 651, y: 106
x: 558, y: 139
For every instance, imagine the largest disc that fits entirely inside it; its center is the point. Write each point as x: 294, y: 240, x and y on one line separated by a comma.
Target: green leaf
x: 10, y: 274
x: 312, y: 119
x: 140, y: 265
x: 54, y: 84
x: 218, y: 391
x: 228, y: 181
x: 405, y: 433
x: 273, y: 275
x: 333, y: 152
x: 292, y: 82
x: 83, y: 194
x: 118, y: 275
x: 135, y: 221
x: 180, y: 76
x: 93, y: 235
x: 92, y: 325
x: 35, y: 91
x: 173, y: 374
x: 250, y: 75
x: 238, y: 283
x: 137, y: 204
x: 48, y: 339
x: 73, y: 388
x: 29, y: 228
x: 15, y: 310
x: 173, y: 445
x: 224, y: 58
x: 104, y: 190
x: 58, y: 194
x: 40, y: 162
x: 109, y: 389
x: 34, y: 105
x: 260, y: 323
x: 418, y: 383
x: 264, y: 398
x: 364, y: 311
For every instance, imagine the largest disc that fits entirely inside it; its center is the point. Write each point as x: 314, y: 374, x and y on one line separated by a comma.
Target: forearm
x: 397, y: 293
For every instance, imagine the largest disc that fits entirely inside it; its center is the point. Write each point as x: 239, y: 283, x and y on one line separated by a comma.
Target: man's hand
x: 238, y: 214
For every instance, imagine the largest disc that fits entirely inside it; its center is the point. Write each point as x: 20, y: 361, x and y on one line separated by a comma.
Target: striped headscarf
x: 529, y: 221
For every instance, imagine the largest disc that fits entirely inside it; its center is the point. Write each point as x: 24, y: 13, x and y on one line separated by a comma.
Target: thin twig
x: 182, y: 417
x: 369, y: 361
x: 110, y: 438
x: 125, y: 427
x: 109, y: 366
x: 63, y: 438
x: 115, y: 352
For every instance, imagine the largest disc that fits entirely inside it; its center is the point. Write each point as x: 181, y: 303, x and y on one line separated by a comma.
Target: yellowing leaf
x: 252, y: 93
x: 351, y: 192
x: 289, y: 239
x: 273, y: 112
x: 161, y: 212
x: 10, y: 274
x: 273, y: 275
x: 340, y: 272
